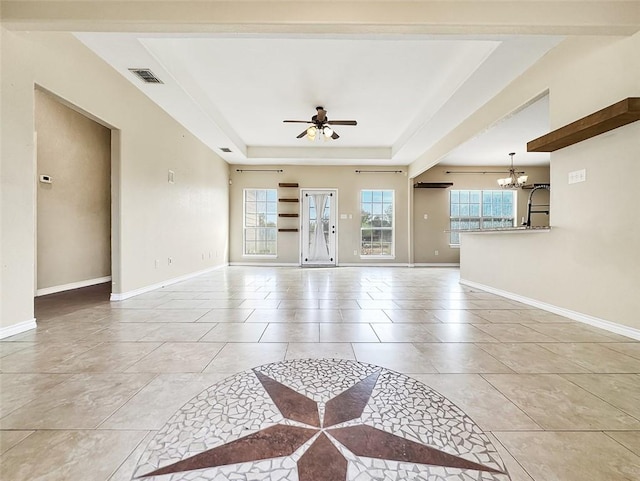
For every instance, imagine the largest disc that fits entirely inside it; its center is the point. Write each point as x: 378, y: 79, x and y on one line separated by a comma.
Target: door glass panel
x: 318, y: 236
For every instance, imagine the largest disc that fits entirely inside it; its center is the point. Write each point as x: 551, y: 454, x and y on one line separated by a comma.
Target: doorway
x: 73, y: 200
x: 319, y: 239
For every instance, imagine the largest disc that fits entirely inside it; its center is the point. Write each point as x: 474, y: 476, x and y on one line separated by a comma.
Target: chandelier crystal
x: 514, y: 181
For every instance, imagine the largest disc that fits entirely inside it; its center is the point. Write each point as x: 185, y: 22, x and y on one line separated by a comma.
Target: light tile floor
x: 83, y: 394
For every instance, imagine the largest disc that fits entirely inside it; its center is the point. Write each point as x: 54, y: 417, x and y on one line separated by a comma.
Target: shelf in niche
x: 288, y: 200
x: 288, y: 184
x: 287, y: 230
x: 287, y: 215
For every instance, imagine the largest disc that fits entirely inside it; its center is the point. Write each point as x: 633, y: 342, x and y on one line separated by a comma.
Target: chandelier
x: 314, y: 132
x: 514, y: 181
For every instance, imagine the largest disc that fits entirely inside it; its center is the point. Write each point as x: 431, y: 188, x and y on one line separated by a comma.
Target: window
x: 376, y: 225
x: 260, y: 222
x: 480, y: 209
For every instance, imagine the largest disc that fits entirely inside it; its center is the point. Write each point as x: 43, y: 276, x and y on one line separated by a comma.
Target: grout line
x: 563, y: 376
x: 509, y: 399
x: 264, y: 331
x: 511, y: 454
x: 137, y: 446
x: 606, y: 433
x: 153, y: 378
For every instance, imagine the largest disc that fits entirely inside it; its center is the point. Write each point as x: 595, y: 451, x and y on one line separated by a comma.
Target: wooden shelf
x: 288, y: 184
x: 614, y: 116
x: 287, y: 230
x: 287, y: 215
x: 432, y: 185
x: 288, y: 200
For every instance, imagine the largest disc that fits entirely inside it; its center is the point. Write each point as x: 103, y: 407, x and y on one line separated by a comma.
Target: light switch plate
x: 577, y: 176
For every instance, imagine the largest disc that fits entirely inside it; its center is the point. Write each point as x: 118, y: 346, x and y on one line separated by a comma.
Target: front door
x: 319, y: 227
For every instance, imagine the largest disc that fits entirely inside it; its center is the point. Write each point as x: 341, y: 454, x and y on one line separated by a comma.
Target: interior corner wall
x: 186, y: 222
x: 74, y: 210
x: 347, y: 182
x: 430, y: 234
x: 589, y: 261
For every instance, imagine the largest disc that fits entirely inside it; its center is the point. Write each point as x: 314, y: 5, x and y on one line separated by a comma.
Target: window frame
x: 245, y: 227
x: 392, y: 229
x: 481, y: 219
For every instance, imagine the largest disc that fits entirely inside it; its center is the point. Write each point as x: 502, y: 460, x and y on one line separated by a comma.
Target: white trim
x: 73, y: 285
x: 304, y: 221
x: 436, y: 264
x: 393, y: 226
x: 136, y: 292
x: 18, y: 328
x: 263, y: 264
x: 576, y: 316
x: 374, y: 264
x: 244, y: 221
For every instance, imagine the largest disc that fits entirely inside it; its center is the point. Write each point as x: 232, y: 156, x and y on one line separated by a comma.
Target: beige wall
x: 153, y: 220
x: 347, y: 182
x: 589, y: 266
x: 430, y: 235
x: 589, y: 262
x: 73, y: 212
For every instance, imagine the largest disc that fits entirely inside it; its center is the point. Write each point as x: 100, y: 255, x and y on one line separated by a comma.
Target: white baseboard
x: 74, y: 285
x: 265, y: 264
x: 18, y: 328
x: 373, y: 264
x: 436, y: 264
x: 136, y: 292
x: 576, y: 316
x: 340, y: 264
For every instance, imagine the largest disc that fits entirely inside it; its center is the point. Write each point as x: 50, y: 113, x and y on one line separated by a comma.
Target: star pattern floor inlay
x: 291, y: 420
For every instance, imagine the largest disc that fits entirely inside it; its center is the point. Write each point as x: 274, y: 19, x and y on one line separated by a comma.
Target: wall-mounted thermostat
x: 46, y: 179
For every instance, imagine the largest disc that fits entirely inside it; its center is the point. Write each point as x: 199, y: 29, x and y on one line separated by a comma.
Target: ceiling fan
x: 320, y: 124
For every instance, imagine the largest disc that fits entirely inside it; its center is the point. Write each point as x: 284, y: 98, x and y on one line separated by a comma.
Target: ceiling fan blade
x: 322, y: 114
x: 342, y: 122
x: 296, y: 122
x: 302, y: 134
x: 334, y: 135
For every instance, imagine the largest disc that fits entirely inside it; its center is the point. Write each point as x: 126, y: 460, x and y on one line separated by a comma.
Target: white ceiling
x: 406, y: 92
x: 510, y: 135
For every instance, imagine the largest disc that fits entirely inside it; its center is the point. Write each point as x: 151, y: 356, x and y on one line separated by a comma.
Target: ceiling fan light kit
x: 320, y: 125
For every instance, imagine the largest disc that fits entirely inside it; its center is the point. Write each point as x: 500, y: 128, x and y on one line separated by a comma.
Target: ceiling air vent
x: 146, y: 75
x: 225, y: 149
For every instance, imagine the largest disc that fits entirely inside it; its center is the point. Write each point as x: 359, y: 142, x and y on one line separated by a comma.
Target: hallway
x: 84, y: 394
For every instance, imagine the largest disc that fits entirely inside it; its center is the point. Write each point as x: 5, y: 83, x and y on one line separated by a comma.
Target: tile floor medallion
x: 320, y: 420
